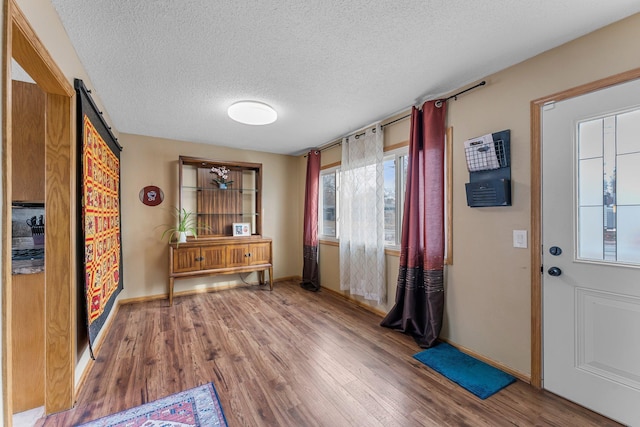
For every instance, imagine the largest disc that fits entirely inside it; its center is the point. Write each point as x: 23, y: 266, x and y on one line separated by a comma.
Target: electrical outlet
x: 520, y: 238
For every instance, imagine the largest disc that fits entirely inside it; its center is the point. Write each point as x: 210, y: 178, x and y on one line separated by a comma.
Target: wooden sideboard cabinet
x: 206, y: 257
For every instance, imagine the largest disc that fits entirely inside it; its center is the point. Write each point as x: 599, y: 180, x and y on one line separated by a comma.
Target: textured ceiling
x: 171, y: 68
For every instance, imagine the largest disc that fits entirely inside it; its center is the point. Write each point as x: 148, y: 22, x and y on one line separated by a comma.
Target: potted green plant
x: 186, y: 222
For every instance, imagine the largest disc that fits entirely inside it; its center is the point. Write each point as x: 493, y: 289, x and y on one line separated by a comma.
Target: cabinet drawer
x: 237, y: 255
x: 186, y: 259
x: 260, y: 253
x: 251, y: 254
x: 213, y: 257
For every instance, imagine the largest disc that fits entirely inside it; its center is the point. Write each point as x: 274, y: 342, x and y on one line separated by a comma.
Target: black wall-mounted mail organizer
x: 489, y: 164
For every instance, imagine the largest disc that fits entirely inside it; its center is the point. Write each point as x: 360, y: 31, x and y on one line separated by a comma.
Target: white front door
x: 591, y: 250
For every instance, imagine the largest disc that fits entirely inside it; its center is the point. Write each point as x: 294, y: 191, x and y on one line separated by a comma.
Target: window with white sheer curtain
x: 361, y: 216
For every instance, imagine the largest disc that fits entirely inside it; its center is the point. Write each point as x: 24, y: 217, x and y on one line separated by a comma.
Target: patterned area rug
x: 196, y: 407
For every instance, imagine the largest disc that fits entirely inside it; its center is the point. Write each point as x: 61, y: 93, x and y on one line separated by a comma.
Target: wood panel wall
x: 28, y: 341
x: 27, y: 117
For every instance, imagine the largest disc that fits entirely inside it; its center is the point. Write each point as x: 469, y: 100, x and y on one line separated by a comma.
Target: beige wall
x: 154, y: 161
x: 488, y: 303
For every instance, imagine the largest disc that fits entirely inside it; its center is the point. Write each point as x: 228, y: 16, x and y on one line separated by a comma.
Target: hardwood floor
x: 292, y: 358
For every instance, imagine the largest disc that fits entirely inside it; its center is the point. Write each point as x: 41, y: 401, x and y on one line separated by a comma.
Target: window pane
x: 591, y: 182
x: 590, y: 139
x: 628, y: 179
x: 629, y: 234
x: 590, y: 231
x: 328, y: 204
x: 629, y: 132
x: 404, y: 160
x: 390, y: 221
x: 404, y: 165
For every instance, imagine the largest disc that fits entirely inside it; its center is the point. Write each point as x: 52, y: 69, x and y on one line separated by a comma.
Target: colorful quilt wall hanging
x: 99, y: 243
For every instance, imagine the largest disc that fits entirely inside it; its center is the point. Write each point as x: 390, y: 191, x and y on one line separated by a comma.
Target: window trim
x: 448, y: 196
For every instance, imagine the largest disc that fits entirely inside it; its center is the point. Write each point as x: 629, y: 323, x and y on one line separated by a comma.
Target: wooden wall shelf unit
x: 218, y: 209
x: 216, y: 250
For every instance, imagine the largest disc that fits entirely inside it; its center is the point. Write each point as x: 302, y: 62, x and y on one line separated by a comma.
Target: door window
x: 608, y: 189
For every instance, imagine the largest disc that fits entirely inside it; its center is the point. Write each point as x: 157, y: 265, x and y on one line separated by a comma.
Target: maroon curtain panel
x: 419, y: 303
x: 310, y: 235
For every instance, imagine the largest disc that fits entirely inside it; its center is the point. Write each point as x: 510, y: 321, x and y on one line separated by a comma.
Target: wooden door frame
x: 22, y: 44
x: 536, y: 206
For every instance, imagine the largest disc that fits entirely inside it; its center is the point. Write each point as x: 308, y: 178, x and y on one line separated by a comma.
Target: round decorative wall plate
x: 151, y: 195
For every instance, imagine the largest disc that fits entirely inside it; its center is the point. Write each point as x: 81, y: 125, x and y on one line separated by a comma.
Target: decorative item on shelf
x: 223, y: 176
x: 187, y: 222
x: 241, y: 229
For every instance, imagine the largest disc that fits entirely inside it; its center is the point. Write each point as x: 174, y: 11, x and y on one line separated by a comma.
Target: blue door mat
x: 475, y: 376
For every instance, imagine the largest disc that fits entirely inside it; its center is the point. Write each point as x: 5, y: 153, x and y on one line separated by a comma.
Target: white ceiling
x: 170, y: 68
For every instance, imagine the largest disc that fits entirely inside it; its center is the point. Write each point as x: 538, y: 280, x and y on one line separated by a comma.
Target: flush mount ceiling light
x: 252, y: 113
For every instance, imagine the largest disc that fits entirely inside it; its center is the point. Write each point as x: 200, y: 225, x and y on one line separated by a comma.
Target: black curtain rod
x: 454, y: 97
x: 438, y: 104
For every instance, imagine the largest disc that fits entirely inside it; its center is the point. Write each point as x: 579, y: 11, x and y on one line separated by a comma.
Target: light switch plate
x: 520, y: 238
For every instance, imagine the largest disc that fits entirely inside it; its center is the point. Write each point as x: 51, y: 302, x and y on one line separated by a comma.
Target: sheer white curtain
x: 361, y: 216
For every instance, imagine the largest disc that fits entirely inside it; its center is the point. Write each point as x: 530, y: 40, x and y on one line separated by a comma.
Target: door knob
x: 554, y: 271
x: 555, y: 251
